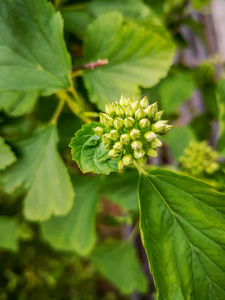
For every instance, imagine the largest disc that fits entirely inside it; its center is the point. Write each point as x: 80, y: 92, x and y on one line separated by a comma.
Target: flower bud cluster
x: 129, y: 129
x: 199, y: 159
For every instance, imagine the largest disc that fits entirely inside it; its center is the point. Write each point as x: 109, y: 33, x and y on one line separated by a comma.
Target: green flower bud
x: 139, y: 114
x: 106, y: 120
x: 144, y: 123
x: 108, y: 146
x: 167, y: 129
x: 158, y: 115
x: 120, y: 164
x: 123, y: 100
x: 135, y: 134
x: 127, y: 160
x: 159, y: 126
x: 98, y: 131
x: 136, y: 145
x: 109, y: 109
x: 114, y: 153
x: 135, y: 105
x: 141, y: 161
x: 119, y: 109
x: 149, y: 136
x: 106, y: 138
x: 118, y: 123
x: 125, y: 139
x: 118, y: 146
x: 129, y: 111
x: 130, y: 100
x: 144, y: 102
x: 139, y: 153
x: 155, y: 143
x: 152, y: 153
x: 212, y: 168
x: 151, y: 110
x: 129, y: 122
x: 114, y: 135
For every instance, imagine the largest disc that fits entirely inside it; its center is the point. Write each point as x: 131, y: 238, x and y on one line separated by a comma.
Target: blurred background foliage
x: 93, y: 250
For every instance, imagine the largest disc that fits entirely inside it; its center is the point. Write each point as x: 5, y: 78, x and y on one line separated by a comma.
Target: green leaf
x: 7, y: 157
x: 198, y: 4
x: 117, y: 261
x: 183, y: 230
x: 137, y: 57
x: 18, y: 103
x: 9, y: 234
x: 221, y: 109
x: 43, y: 173
x: 76, y: 230
x: 89, y: 152
x: 33, y: 54
x: 121, y: 188
x: 174, y: 90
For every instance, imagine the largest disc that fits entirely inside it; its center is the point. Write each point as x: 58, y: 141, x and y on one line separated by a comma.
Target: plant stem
x: 140, y: 169
x: 76, y: 96
x: 134, y: 233
x: 58, y: 109
x: 77, y: 73
x: 92, y: 114
x: 57, y: 4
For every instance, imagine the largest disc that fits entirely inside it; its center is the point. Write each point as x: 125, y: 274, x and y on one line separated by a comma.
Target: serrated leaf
x: 33, y: 55
x: 221, y: 109
x: 89, y: 152
x: 121, y: 188
x: 137, y: 57
x: 43, y: 173
x: 7, y: 157
x: 117, y: 261
x: 18, y: 103
x: 183, y: 231
x: 9, y: 234
x: 76, y: 230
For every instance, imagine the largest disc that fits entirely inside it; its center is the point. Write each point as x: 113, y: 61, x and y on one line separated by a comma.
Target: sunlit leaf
x: 7, y: 157
x: 9, y: 234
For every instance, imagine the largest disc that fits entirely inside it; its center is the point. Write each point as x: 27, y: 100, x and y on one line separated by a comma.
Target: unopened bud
x: 144, y: 102
x: 120, y: 164
x: 135, y: 105
x: 108, y: 146
x: 130, y: 100
x: 144, y: 123
x: 149, y: 136
x: 139, y: 114
x: 212, y: 168
x: 109, y: 109
x: 123, y: 100
x: 167, y: 129
x: 139, y: 153
x: 151, y: 110
x: 135, y: 134
x: 159, y: 126
x: 114, y: 135
x: 129, y: 122
x: 156, y: 143
x: 152, y: 153
x: 129, y: 111
x: 125, y: 139
x: 136, y: 145
x: 98, y: 131
x: 118, y: 146
x: 127, y: 160
x: 114, y: 153
x: 119, y: 109
x: 158, y: 115
x: 106, y: 120
x: 118, y: 123
x: 106, y: 138
x: 141, y: 161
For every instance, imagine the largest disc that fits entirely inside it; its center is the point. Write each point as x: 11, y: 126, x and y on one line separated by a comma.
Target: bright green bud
x: 135, y: 134
x: 156, y: 143
x: 118, y: 123
x: 136, y: 145
x: 212, y: 168
x: 139, y: 153
x: 151, y: 110
x: 135, y: 105
x: 129, y: 122
x: 106, y: 138
x: 130, y: 100
x: 149, y: 136
x: 159, y: 126
x: 141, y: 161
x: 127, y: 160
x: 167, y: 129
x: 108, y: 146
x: 144, y: 123
x: 125, y: 139
x: 158, y: 115
x: 144, y: 102
x: 109, y: 108
x: 123, y: 100
x: 139, y: 114
x: 119, y: 109
x: 114, y: 135
x: 114, y: 153
x: 120, y: 164
x: 106, y: 120
x: 98, y: 131
x: 152, y: 153
x: 129, y: 111
x: 118, y: 146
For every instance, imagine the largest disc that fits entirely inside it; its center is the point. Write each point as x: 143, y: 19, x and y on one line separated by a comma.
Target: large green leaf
x: 18, y: 103
x: 9, y: 234
x: 33, y: 55
x: 137, y: 57
x: 221, y: 109
x: 183, y: 230
x: 76, y: 230
x: 117, y: 261
x: 89, y: 152
x: 43, y: 173
x: 7, y: 157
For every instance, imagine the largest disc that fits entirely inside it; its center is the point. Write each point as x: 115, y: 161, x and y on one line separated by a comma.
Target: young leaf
x: 76, y: 230
x: 221, y: 106
x: 33, y: 54
x: 117, y: 261
x: 183, y: 231
x: 7, y: 157
x: 89, y: 152
x: 137, y: 57
x: 43, y: 173
x: 18, y: 103
x: 9, y: 234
